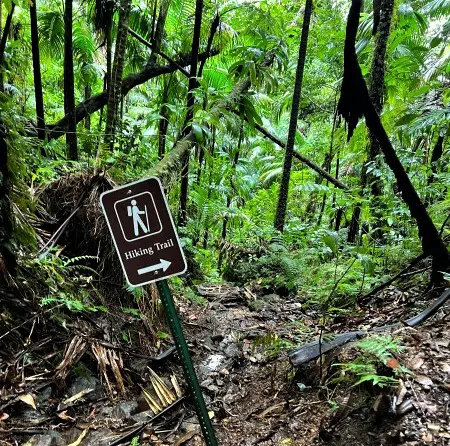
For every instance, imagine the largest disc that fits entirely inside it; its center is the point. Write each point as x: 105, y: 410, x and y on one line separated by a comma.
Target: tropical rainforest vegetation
x: 303, y: 146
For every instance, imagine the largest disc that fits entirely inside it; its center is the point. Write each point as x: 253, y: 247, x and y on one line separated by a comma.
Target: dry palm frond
x: 101, y: 356
x: 160, y: 396
x: 73, y: 353
x: 109, y: 357
x: 176, y: 386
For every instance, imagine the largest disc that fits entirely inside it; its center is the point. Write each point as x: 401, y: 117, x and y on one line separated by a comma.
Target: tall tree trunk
x: 108, y: 56
x: 158, y: 30
x: 338, y: 214
x: 209, y: 183
x: 436, y: 154
x: 157, y: 33
x: 115, y: 87
x: 212, y: 32
x: 87, y: 94
x: 163, y: 119
x: 4, y: 39
x: 230, y: 196
x: 7, y: 255
x: 69, y: 87
x: 354, y: 103
x: 311, y: 207
x: 280, y: 215
x: 376, y: 93
x: 38, y: 94
x: 182, y: 216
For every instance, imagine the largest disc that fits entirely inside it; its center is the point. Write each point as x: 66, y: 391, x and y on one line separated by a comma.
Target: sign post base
x: 186, y: 361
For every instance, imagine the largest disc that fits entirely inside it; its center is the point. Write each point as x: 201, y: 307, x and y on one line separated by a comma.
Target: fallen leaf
x: 77, y: 396
x: 433, y: 427
x: 184, y: 438
x: 445, y: 367
x: 415, y: 363
x: 3, y: 416
x: 78, y: 441
x: 423, y: 380
x: 64, y: 416
x: 28, y: 399
x: 392, y: 363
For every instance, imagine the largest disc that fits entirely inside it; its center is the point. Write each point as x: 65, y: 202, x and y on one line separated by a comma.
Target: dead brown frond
x: 72, y: 354
x: 159, y: 396
x: 108, y: 358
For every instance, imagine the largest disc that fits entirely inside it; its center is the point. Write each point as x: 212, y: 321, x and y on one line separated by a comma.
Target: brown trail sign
x: 143, y: 231
x: 147, y: 243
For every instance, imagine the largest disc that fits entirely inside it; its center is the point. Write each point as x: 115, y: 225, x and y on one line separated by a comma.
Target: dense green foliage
x: 235, y: 171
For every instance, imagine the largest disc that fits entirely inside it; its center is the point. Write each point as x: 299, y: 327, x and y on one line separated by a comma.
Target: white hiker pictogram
x: 138, y: 217
x: 135, y: 213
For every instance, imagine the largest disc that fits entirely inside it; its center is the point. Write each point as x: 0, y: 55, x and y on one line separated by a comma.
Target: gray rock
x: 32, y: 416
x: 142, y: 417
x: 232, y: 351
x: 100, y: 437
x: 51, y: 438
x: 270, y: 297
x: 124, y: 410
x: 212, y: 363
x: 139, y: 365
x: 44, y: 395
x: 86, y: 382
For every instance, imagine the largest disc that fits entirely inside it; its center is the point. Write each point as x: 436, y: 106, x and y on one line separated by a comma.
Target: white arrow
x: 163, y: 264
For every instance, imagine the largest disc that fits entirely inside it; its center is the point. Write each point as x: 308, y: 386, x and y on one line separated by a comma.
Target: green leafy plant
x: 375, y: 363
x: 271, y: 344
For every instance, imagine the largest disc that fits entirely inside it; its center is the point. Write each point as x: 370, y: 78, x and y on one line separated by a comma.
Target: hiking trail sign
x: 149, y: 250
x: 143, y: 231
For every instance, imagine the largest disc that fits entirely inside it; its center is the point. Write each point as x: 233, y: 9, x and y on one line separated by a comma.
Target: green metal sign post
x: 149, y: 250
x: 186, y: 361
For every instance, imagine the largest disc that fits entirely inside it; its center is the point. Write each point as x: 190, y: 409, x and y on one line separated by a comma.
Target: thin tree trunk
x: 5, y: 33
x: 229, y: 196
x: 163, y: 120
x: 7, y: 255
x: 201, y: 158
x: 212, y: 32
x: 158, y: 31
x: 333, y: 202
x: 3, y: 41
x: 38, y: 94
x: 376, y: 93
x: 115, y: 88
x: 209, y: 183
x: 69, y: 87
x: 353, y: 104
x: 438, y: 151
x: 436, y: 154
x: 100, y: 121
x: 87, y: 94
x: 109, y: 55
x: 182, y: 216
x: 311, y: 207
x: 280, y: 215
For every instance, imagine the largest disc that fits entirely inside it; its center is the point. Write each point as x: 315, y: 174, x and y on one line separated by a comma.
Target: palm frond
x: 51, y: 33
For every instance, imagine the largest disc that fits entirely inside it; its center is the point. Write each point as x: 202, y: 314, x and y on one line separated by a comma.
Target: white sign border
x: 171, y: 220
